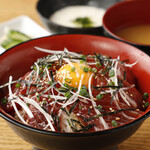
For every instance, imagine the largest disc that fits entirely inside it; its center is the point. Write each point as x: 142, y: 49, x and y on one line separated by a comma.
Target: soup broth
x: 136, y: 33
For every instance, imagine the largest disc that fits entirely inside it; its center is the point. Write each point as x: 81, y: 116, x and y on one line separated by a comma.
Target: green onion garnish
x: 68, y: 94
x: 145, y: 95
x: 73, y: 69
x: 99, y: 107
x: 27, y: 104
x: 49, y: 83
x: 83, y: 91
x: 114, y: 123
x: 85, y: 69
x: 18, y: 85
x: 98, y: 65
x: 80, y: 106
x: 84, y: 22
x: 81, y: 61
x: 111, y: 73
x: 146, y: 104
x: 4, y: 101
x: 99, y: 96
x: 94, y: 70
x: 67, y: 80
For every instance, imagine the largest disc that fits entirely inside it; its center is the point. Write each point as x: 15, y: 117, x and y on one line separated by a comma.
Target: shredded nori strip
x: 106, y: 114
x: 100, y: 58
x: 63, y: 109
x: 51, y: 74
x: 74, y: 105
x: 83, y: 128
x: 86, y: 128
x: 107, y: 86
x: 56, y: 120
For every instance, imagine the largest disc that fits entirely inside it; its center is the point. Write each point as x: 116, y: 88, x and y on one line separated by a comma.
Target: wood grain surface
x: 8, y: 139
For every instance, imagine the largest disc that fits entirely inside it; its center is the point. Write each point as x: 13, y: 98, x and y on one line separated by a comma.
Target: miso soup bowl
x: 17, y: 61
x: 124, y: 14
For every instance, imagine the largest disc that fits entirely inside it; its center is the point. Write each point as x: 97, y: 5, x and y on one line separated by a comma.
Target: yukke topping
x: 71, y: 92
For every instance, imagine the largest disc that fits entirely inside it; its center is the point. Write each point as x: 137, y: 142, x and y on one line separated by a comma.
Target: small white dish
x: 25, y: 25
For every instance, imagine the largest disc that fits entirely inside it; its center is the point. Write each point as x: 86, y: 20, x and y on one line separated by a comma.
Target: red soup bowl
x: 126, y: 14
x: 17, y: 61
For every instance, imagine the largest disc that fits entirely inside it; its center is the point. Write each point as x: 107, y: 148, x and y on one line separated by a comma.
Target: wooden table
x: 8, y: 139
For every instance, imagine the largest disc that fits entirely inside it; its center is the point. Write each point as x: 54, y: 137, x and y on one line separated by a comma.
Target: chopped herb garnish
x: 73, y: 69
x: 18, y: 85
x: 111, y: 73
x: 80, y: 106
x: 145, y: 95
x: 27, y: 104
x: 48, y: 96
x: 76, y: 89
x: 98, y: 65
x: 49, y: 83
x: 90, y: 69
x: 81, y: 61
x: 63, y: 89
x: 83, y: 57
x: 43, y: 66
x: 85, y: 69
x: 106, y: 70
x: 67, y: 80
x: 84, y: 22
x: 49, y: 66
x: 38, y: 98
x: 68, y: 94
x: 66, y: 85
x: 99, y: 107
x: 81, y: 67
x: 94, y: 70
x: 69, y: 122
x: 99, y: 96
x: 146, y: 104
x: 114, y: 123
x: 4, y: 101
x: 83, y: 91
x: 43, y: 102
x: 112, y: 84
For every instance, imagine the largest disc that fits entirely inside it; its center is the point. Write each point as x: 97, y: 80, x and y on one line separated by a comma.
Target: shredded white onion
x: 94, y: 104
x: 75, y: 95
x: 36, y: 105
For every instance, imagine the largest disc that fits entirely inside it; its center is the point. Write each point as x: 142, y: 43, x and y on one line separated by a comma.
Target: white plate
x: 25, y: 25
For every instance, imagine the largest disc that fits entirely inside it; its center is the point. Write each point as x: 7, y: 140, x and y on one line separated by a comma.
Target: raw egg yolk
x: 71, y: 74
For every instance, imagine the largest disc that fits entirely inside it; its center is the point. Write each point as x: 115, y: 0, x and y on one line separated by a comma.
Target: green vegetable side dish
x: 84, y: 22
x: 13, y: 38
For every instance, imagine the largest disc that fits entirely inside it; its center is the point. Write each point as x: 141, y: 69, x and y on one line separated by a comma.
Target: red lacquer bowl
x: 124, y: 14
x: 17, y: 61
